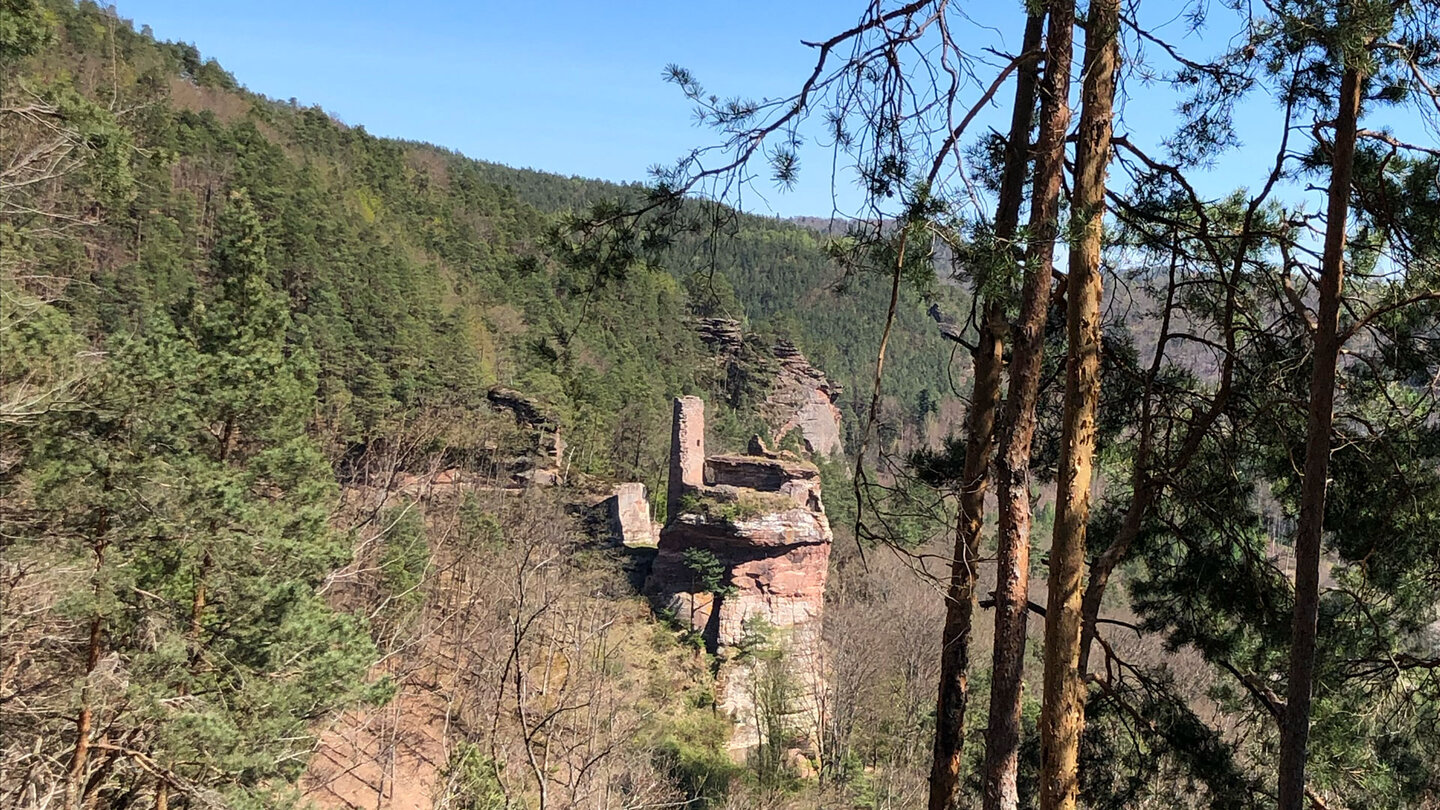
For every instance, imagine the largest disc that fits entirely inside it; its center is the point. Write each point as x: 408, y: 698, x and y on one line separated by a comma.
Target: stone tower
x: 687, y: 451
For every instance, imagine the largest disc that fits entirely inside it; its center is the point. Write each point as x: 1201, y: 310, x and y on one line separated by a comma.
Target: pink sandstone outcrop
x: 544, y: 431
x: 799, y: 397
x: 803, y: 399
x: 627, y: 511
x: 760, y: 517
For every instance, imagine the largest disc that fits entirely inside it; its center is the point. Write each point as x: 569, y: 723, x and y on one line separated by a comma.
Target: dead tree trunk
x: 1063, y: 705
x: 1295, y: 732
x: 84, y: 721
x: 1002, y: 743
x: 980, y: 426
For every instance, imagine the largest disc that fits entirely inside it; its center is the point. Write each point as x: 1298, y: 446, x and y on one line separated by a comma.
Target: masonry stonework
x: 687, y: 451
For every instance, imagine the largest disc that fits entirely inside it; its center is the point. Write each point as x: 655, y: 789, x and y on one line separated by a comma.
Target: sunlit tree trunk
x: 1002, y: 741
x: 1063, y: 704
x: 979, y: 445
x: 1296, y: 731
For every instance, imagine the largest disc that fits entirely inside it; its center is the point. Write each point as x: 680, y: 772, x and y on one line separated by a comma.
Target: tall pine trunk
x: 1296, y: 731
x: 1062, y: 714
x: 1002, y: 741
x: 980, y: 426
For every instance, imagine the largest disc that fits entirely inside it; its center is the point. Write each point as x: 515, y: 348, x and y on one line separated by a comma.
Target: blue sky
x: 570, y: 87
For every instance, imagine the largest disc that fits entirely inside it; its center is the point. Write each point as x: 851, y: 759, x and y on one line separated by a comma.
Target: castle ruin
x: 745, y: 552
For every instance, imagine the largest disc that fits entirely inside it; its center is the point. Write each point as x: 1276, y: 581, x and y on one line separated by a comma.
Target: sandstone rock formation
x: 544, y: 427
x: 627, y: 513
x: 760, y: 517
x: 798, y: 396
x: 803, y: 399
x: 722, y: 335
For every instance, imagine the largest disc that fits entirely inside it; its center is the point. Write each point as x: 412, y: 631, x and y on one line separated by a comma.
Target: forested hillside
x: 213, y: 302
x: 415, y: 277
x: 308, y: 437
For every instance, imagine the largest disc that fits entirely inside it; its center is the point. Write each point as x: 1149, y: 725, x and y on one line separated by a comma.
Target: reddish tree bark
x: 980, y: 429
x: 1002, y: 741
x: 1062, y: 715
x: 1295, y: 733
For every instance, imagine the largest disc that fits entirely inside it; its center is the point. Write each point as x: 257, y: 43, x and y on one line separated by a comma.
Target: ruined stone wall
x: 687, y: 450
x: 627, y: 515
x: 761, y: 516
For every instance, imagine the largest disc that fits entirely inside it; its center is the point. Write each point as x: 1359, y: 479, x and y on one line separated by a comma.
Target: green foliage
x: 25, y: 28
x: 480, y: 531
x: 415, y: 279
x: 185, y: 473
x: 707, y: 571
x: 741, y: 506
x: 693, y: 754
x: 759, y: 639
x: 839, y: 492
x: 774, y: 693
x: 1209, y: 575
x: 472, y: 780
x: 404, y: 559
x: 1121, y: 771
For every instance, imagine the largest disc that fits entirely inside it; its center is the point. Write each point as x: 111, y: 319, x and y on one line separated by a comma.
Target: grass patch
x: 721, y: 505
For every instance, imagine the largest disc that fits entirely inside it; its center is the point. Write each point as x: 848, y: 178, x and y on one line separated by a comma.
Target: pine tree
x: 1012, y: 466
x: 1063, y: 711
x: 186, y: 483
x: 991, y: 283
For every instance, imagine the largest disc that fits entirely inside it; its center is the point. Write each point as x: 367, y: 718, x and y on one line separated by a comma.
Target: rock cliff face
x: 798, y: 396
x: 546, y: 467
x: 747, y: 547
x: 803, y: 399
